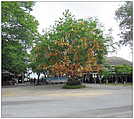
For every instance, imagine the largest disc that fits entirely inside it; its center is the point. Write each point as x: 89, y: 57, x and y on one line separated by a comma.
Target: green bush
x: 73, y: 86
x: 73, y: 82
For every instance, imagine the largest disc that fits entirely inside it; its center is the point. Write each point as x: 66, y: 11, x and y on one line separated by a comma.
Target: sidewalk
x: 56, y: 90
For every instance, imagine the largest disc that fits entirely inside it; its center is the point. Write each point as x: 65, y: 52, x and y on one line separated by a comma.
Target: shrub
x: 73, y: 82
x: 73, y: 86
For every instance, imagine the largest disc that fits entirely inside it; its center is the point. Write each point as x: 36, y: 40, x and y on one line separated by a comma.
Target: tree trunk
x: 22, y: 77
x: 44, y: 80
x: 100, y: 81
x: 38, y: 78
x: 125, y: 80
x: 106, y: 81
x: 95, y: 80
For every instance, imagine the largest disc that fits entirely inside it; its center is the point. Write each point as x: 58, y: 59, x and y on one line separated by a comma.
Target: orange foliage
x: 65, y: 66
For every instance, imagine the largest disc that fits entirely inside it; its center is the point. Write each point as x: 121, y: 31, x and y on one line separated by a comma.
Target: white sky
x: 47, y: 12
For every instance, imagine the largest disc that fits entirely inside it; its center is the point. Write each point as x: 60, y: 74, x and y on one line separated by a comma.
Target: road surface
x: 52, y: 101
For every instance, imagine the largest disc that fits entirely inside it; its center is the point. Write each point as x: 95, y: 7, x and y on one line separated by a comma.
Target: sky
x: 48, y: 12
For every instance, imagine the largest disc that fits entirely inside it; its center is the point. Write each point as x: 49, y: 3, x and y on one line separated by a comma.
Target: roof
x: 117, y: 61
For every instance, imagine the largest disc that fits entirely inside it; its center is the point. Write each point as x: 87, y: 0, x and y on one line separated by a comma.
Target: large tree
x: 19, y: 31
x: 72, y: 47
x: 124, y: 15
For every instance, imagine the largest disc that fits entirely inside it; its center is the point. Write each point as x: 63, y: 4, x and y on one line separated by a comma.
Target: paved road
x: 52, y: 101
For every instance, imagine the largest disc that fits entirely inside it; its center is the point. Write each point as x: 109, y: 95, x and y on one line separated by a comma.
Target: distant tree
x: 123, y: 69
x: 124, y: 15
x: 106, y: 72
x: 19, y: 31
x: 38, y: 58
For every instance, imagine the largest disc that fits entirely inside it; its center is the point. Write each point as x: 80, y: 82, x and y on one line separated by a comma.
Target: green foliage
x: 73, y: 86
x: 65, y: 39
x: 123, y: 69
x: 19, y: 31
x: 39, y: 58
x: 106, y: 72
x: 124, y: 15
x: 73, y: 82
x: 13, y: 57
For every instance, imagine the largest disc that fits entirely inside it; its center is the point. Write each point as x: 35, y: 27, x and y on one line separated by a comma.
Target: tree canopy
x: 19, y: 31
x: 123, y: 69
x: 124, y: 15
x: 71, y: 47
